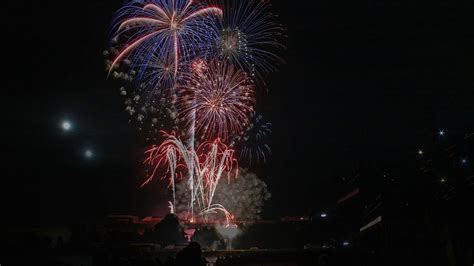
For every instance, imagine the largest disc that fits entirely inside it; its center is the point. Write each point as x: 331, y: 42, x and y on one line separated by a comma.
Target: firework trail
x: 252, y: 145
x: 161, y: 34
x: 248, y: 35
x: 208, y: 164
x: 218, y: 101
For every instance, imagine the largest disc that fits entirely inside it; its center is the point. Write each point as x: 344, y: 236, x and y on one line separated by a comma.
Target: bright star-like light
x: 464, y: 161
x: 66, y: 125
x: 441, y: 133
x: 323, y: 215
x: 443, y: 180
x: 420, y: 152
x: 88, y: 153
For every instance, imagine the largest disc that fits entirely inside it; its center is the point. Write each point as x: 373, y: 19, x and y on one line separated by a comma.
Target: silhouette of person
x: 191, y: 255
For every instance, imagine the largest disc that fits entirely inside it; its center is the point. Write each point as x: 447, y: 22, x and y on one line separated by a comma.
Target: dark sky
x: 361, y: 84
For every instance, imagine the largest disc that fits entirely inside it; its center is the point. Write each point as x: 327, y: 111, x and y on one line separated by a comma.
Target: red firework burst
x: 217, y: 100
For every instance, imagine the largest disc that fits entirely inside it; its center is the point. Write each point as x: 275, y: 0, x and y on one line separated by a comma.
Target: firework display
x: 244, y: 197
x: 218, y: 101
x: 253, y: 144
x: 249, y: 35
x: 203, y: 167
x: 168, y: 32
x: 192, y: 68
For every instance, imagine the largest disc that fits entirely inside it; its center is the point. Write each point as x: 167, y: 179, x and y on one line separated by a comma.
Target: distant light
x: 441, y: 133
x: 420, y: 152
x: 464, y: 161
x: 88, y: 153
x: 323, y: 215
x: 66, y: 125
x: 345, y: 243
x: 443, y: 180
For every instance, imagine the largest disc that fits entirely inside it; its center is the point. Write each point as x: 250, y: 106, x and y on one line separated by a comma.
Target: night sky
x: 367, y: 84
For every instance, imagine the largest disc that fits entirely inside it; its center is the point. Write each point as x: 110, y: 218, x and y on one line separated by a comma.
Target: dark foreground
x: 177, y: 257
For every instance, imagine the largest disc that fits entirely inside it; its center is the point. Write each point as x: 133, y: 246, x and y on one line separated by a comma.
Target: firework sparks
x: 244, y: 197
x: 248, y: 34
x: 170, y: 30
x: 203, y: 168
x: 218, y: 101
x: 252, y: 145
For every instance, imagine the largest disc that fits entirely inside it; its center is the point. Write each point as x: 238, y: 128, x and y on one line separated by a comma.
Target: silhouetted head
x: 190, y: 255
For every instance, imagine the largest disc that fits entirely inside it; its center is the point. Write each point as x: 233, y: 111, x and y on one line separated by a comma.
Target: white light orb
x: 66, y: 125
x: 88, y: 153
